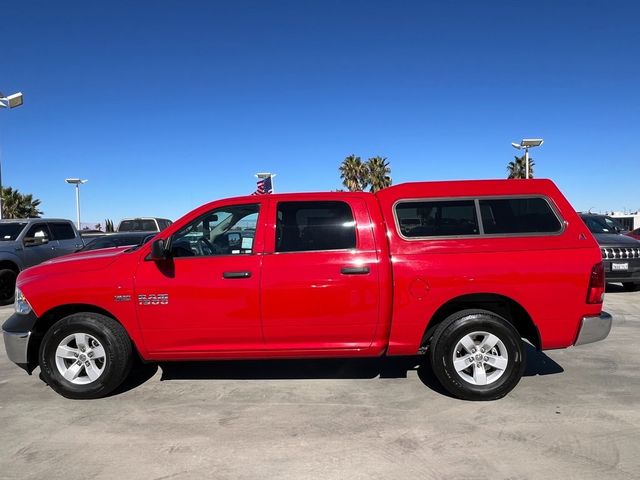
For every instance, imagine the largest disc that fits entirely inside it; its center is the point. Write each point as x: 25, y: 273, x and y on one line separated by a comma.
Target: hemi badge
x: 122, y: 298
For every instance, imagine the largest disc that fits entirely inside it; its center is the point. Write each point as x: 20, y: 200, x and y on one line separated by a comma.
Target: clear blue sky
x: 164, y: 105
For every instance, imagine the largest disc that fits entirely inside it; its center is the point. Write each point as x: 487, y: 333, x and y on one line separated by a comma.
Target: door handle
x: 236, y: 274
x: 354, y: 270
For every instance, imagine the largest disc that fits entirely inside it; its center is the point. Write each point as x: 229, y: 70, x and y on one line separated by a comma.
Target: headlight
x: 21, y: 304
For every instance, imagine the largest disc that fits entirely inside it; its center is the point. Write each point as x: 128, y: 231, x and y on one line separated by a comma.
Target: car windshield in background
x: 597, y: 225
x: 10, y: 231
x: 114, y: 241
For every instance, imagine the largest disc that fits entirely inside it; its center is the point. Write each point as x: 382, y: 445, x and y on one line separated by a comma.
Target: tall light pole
x: 77, y: 182
x: 527, y: 143
x: 9, y: 101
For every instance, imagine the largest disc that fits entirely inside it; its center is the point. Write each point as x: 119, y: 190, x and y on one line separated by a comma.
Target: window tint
x: 62, y: 231
x: 10, y: 231
x: 518, y: 215
x: 307, y: 226
x: 162, y: 223
x: 437, y: 218
x: 138, y: 225
x: 224, y: 231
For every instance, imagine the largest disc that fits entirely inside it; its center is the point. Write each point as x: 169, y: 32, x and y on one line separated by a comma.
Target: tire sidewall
x: 442, y: 356
x: 115, y: 358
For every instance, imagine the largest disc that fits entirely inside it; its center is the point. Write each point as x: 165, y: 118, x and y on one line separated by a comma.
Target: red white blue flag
x: 263, y: 186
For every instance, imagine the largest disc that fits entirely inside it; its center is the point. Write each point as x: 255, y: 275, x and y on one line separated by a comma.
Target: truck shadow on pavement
x: 362, y: 368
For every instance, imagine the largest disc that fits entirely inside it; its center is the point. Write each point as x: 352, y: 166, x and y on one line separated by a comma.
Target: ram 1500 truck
x: 460, y: 272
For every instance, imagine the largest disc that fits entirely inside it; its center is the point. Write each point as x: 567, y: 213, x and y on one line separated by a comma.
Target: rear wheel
x: 7, y: 285
x: 631, y: 286
x: 477, y: 355
x: 85, y: 355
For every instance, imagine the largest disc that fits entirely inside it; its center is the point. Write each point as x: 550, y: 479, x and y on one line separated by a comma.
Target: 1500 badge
x: 153, y: 299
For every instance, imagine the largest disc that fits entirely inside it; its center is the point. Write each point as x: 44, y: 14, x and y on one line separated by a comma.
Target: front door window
x: 224, y: 231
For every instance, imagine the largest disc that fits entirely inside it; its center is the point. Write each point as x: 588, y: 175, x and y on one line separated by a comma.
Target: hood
x: 614, y: 239
x: 76, y: 262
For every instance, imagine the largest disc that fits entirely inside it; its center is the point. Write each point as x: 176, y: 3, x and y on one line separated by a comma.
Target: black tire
x: 117, y: 355
x: 443, y: 346
x: 7, y: 286
x: 631, y: 286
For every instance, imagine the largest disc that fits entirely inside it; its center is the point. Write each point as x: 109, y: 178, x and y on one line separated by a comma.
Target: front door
x: 320, y: 278
x: 205, y: 298
x: 38, y: 245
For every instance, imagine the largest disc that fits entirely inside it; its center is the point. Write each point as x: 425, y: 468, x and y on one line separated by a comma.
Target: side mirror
x: 158, y: 251
x: 33, y: 241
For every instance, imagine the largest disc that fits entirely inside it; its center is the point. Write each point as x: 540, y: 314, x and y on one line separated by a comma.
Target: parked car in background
x: 27, y: 242
x: 634, y: 234
x: 143, y: 224
x: 458, y: 272
x: 620, y: 253
x: 111, y: 240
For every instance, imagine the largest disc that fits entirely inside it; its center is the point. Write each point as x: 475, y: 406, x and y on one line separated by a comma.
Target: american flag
x: 263, y: 186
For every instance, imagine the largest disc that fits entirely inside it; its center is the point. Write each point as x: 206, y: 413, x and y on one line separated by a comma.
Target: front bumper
x: 17, y: 332
x: 17, y: 346
x: 594, y: 329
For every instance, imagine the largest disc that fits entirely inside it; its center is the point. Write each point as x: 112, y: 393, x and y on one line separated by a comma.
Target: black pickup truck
x: 620, y: 253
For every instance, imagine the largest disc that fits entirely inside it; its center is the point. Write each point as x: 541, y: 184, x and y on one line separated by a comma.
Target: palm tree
x: 353, y: 174
x: 17, y: 205
x: 517, y: 168
x: 378, y: 173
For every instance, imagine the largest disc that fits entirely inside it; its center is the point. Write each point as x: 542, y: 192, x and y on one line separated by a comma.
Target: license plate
x: 616, y: 267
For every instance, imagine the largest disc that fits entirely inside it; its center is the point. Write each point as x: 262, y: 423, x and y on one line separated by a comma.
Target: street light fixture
x: 11, y: 101
x: 77, y: 182
x: 527, y: 143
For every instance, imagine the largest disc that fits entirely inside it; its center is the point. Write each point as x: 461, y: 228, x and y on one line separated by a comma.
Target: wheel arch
x: 10, y: 265
x: 51, y: 316
x: 501, y: 305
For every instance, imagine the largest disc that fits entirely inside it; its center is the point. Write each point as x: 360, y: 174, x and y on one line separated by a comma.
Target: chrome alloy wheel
x: 80, y: 358
x: 480, y: 358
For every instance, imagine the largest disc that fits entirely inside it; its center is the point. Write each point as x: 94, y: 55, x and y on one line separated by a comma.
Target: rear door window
x: 62, y: 231
x: 518, y: 215
x: 437, y: 218
x: 314, y: 226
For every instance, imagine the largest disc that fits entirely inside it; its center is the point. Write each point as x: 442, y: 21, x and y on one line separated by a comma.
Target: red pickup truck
x: 460, y: 272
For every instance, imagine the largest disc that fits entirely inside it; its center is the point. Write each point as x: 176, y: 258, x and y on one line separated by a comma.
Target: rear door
x: 320, y: 276
x: 65, y: 235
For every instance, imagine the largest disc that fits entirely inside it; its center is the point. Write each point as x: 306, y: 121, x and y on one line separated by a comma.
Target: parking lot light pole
x: 9, y: 101
x: 77, y: 182
x: 527, y: 143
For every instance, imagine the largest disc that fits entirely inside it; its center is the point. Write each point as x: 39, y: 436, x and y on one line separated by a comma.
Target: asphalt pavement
x: 575, y: 414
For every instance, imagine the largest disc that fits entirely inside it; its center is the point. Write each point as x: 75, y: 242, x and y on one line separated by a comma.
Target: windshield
x: 10, y: 231
x: 598, y: 225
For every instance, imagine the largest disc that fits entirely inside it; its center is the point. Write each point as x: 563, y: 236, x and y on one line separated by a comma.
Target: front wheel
x: 477, y: 355
x: 85, y: 355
